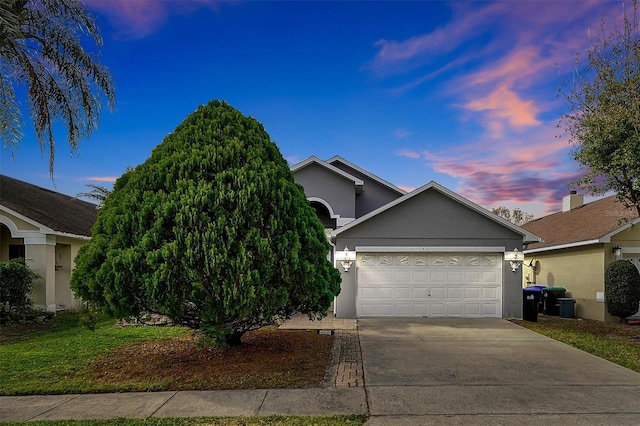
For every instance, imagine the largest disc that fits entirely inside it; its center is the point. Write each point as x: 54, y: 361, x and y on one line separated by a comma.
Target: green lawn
x: 614, y: 342
x: 52, y: 359
x: 353, y: 420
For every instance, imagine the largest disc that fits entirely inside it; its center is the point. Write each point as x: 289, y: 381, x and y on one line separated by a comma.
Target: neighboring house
x: 427, y: 253
x: 577, y: 248
x: 47, y: 229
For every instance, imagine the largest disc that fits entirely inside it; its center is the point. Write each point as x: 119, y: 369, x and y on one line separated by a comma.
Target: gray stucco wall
x: 374, y: 195
x: 336, y: 190
x: 431, y: 219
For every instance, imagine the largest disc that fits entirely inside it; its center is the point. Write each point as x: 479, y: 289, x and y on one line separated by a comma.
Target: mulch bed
x: 267, y: 358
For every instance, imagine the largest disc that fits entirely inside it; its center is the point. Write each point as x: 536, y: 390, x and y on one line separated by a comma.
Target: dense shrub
x: 622, y: 289
x: 16, y: 283
x: 211, y: 231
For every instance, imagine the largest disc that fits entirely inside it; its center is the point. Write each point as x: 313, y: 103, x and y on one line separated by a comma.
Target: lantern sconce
x: 346, y: 258
x: 617, y: 251
x: 515, y: 258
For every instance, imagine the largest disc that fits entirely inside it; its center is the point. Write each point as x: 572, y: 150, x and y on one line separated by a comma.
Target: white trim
x: 340, y: 221
x: 606, y: 238
x: 526, y: 235
x: 313, y: 159
x: 630, y: 250
x: 563, y: 246
x: 42, y: 228
x: 366, y: 173
x: 41, y: 236
x: 435, y: 249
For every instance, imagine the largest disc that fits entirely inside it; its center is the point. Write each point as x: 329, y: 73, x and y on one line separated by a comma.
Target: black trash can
x: 551, y: 296
x: 567, y: 307
x: 541, y: 303
x: 530, y: 301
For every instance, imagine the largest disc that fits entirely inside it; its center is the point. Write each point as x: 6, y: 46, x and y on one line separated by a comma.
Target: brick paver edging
x: 345, y: 366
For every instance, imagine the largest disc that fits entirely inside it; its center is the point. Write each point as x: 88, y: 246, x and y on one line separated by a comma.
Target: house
x: 577, y: 247
x: 47, y: 229
x: 427, y: 253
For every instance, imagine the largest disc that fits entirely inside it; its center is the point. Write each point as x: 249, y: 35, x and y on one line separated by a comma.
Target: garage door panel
x: 455, y: 277
x: 437, y: 276
x: 403, y: 293
x: 430, y: 285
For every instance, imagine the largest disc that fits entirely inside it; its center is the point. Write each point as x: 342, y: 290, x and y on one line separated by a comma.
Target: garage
x: 467, y: 284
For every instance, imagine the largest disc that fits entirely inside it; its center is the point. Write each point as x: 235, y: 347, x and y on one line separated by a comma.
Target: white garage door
x: 429, y: 285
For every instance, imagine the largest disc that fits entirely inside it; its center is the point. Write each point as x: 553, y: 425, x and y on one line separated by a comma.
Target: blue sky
x: 463, y: 93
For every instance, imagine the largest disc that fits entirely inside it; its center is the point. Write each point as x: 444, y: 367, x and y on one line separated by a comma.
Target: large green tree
x: 211, y: 230
x: 41, y: 48
x: 603, y: 121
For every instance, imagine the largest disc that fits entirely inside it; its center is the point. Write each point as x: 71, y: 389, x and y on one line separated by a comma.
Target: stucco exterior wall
x: 431, y: 219
x: 375, y: 195
x: 339, y: 192
x: 580, y: 270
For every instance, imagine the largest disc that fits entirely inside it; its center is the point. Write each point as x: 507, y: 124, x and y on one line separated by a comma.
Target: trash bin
x: 567, y: 307
x: 530, y: 302
x: 541, y: 302
x: 551, y: 296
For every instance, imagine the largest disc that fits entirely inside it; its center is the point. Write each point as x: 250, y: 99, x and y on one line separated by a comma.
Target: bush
x: 16, y: 283
x: 622, y: 289
x: 211, y: 231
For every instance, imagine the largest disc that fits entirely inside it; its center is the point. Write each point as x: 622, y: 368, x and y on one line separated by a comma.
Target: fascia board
x: 334, y: 169
x: 563, y: 246
x: 42, y: 228
x: 527, y: 236
x: 366, y: 173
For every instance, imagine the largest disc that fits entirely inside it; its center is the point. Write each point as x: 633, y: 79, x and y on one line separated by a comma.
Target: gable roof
x: 526, y: 235
x: 591, y: 223
x: 359, y: 183
x: 56, y: 211
x: 370, y: 175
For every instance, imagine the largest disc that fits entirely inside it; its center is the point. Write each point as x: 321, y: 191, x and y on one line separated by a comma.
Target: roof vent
x: 572, y: 201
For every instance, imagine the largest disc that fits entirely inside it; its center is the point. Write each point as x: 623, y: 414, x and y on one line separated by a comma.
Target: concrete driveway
x: 488, y: 371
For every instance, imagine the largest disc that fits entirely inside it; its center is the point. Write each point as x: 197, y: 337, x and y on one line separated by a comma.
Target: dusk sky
x: 463, y: 93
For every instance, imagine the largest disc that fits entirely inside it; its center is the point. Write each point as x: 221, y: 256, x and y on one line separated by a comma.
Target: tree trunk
x: 234, y: 339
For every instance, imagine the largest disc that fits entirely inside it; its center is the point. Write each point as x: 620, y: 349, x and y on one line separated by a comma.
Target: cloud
x: 110, y: 179
x: 293, y: 159
x: 526, y: 170
x: 401, y: 133
x: 408, y: 153
x: 406, y: 188
x: 503, y: 107
x: 135, y: 19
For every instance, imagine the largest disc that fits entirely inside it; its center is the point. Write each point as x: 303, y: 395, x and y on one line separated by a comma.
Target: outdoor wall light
x: 617, y: 251
x: 515, y: 258
x: 346, y: 258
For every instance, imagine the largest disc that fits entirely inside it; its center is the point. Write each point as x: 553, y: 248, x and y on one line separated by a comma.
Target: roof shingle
x: 57, y: 211
x: 588, y: 222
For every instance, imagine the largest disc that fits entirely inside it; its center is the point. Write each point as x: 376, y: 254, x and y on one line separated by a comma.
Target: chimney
x: 572, y: 201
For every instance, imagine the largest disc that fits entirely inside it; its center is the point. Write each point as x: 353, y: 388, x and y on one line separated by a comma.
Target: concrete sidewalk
x: 343, y: 394
x: 313, y: 401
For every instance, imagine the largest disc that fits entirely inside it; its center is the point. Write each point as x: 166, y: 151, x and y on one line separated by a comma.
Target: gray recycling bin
x: 567, y: 307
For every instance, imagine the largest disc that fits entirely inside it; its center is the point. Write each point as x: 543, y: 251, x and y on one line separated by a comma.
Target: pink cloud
x: 406, y: 188
x: 110, y: 179
x: 408, y: 153
x: 134, y: 19
x: 505, y: 107
x: 525, y: 170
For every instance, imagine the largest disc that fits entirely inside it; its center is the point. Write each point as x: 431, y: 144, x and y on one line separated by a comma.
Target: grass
x: 52, y: 358
x: 353, y: 420
x: 63, y: 357
x: 618, y: 343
